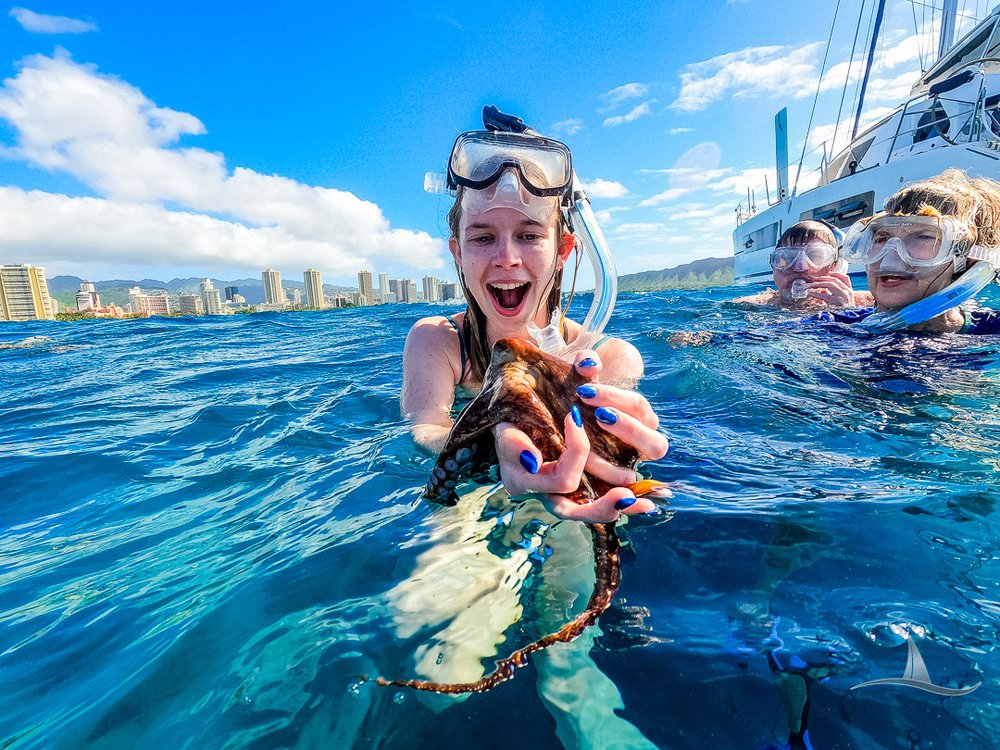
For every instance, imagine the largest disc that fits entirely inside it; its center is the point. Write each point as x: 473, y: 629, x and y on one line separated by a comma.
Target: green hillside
x: 695, y: 275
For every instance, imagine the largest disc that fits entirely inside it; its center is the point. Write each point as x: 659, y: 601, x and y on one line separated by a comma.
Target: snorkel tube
x: 966, y: 286
x: 582, y: 222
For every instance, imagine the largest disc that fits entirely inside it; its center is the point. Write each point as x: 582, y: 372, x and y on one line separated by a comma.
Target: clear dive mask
x: 815, y: 254
x: 919, y: 241
x: 481, y: 157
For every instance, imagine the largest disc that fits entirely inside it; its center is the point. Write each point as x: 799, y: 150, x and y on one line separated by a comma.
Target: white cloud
x: 572, y: 126
x: 605, y: 189
x: 633, y: 114
x: 42, y: 24
x: 669, y: 194
x: 678, y: 131
x: 108, y: 135
x: 624, y: 93
x: 751, y: 72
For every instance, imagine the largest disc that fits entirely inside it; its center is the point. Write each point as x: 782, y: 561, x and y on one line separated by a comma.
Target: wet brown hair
x: 474, y: 324
x: 973, y: 200
x: 807, y: 231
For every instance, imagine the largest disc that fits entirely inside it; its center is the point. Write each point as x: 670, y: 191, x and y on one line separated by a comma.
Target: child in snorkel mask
x: 931, y: 249
x: 809, y: 272
x: 510, y: 242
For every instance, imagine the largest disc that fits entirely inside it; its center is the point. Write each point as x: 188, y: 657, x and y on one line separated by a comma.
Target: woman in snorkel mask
x: 931, y: 249
x: 510, y: 242
x: 809, y: 271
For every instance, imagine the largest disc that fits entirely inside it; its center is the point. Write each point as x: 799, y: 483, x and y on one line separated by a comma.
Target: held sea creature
x: 533, y: 390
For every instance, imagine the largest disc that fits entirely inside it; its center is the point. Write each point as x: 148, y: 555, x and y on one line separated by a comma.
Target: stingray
x: 535, y: 391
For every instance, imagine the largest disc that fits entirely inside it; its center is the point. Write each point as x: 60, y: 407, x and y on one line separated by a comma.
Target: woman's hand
x: 623, y: 413
x: 626, y: 414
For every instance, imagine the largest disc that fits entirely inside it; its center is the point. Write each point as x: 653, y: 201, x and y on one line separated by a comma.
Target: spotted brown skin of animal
x: 534, y: 391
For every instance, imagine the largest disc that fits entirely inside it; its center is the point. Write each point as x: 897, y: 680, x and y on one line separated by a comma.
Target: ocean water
x: 211, y: 533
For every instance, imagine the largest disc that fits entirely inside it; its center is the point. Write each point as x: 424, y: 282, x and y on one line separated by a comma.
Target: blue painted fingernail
x: 605, y: 415
x: 577, y: 416
x: 625, y: 502
x: 586, y: 391
x: 529, y: 461
x: 588, y: 362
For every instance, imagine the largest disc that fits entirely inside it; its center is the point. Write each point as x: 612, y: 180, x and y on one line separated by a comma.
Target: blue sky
x: 190, y: 139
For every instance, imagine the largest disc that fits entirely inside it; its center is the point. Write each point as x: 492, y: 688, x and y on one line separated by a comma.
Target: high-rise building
x: 24, y: 293
x: 409, y: 291
x: 398, y: 289
x: 432, y: 289
x: 87, y: 297
x: 232, y: 292
x: 314, y: 289
x: 451, y: 291
x: 365, y: 288
x: 148, y: 304
x: 211, y: 298
x: 190, y: 304
x: 273, y: 292
x: 383, y: 288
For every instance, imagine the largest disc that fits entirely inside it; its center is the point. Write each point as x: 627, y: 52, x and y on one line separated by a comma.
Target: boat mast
x: 868, y: 66
x: 947, y: 38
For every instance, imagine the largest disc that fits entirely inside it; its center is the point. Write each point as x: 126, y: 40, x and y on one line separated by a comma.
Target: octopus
x: 533, y: 390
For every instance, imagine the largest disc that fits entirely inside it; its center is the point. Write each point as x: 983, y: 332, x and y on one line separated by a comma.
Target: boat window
x: 844, y: 212
x: 763, y: 237
x: 960, y: 56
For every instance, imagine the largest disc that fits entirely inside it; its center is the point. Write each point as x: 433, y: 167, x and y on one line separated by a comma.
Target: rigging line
x: 916, y: 30
x: 819, y: 85
x: 847, y: 80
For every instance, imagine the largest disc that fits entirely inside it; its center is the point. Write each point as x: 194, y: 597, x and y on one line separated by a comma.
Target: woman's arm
x: 430, y: 371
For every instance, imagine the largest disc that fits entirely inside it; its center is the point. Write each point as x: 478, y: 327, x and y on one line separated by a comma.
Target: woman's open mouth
x: 509, y: 297
x: 891, y: 280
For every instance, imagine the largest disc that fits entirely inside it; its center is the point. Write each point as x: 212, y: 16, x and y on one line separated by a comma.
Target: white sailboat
x: 952, y: 119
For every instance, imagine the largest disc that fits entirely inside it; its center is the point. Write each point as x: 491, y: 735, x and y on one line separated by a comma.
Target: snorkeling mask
x: 919, y: 241
x: 509, y: 165
x: 479, y: 158
x: 817, y: 255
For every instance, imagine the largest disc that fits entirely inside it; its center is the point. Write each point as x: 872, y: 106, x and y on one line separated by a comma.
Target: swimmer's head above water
x: 807, y: 253
x: 517, y: 206
x: 921, y: 249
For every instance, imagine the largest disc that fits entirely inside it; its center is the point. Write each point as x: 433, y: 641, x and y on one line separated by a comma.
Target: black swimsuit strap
x: 461, y: 349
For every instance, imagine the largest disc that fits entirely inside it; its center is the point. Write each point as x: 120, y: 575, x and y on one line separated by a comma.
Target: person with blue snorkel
x: 932, y: 249
x: 809, y: 271
x: 519, y: 212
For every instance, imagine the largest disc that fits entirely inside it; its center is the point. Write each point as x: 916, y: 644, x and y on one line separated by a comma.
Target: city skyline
x: 25, y: 295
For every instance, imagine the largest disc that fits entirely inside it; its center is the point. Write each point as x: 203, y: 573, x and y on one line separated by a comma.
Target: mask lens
x: 918, y: 240
x: 817, y: 255
x: 479, y: 158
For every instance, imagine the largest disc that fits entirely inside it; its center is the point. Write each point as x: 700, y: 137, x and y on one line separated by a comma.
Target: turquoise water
x: 212, y: 530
